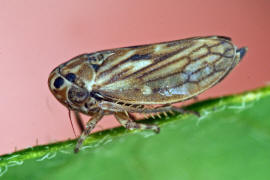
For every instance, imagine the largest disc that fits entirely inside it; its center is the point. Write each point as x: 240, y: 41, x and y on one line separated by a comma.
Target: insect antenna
x: 79, y: 121
x: 69, y: 115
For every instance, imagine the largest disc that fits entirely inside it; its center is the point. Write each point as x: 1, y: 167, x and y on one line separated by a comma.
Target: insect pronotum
x: 136, y: 79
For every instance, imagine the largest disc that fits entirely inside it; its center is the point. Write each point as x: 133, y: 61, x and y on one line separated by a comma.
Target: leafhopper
x: 142, y: 79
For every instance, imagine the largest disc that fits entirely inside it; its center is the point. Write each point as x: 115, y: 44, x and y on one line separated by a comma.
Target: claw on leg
x: 128, y: 123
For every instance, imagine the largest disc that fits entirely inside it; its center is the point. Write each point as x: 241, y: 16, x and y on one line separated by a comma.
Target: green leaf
x: 231, y: 140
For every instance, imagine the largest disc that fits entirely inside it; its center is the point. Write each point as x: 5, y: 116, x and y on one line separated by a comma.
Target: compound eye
x: 58, y: 82
x: 71, y: 77
x: 77, y: 95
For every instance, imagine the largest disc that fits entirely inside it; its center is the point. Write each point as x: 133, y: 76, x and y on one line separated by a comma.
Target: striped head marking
x: 71, y: 83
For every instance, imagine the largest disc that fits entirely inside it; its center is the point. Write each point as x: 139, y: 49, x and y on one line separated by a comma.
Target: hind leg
x: 167, y: 108
x: 127, y: 122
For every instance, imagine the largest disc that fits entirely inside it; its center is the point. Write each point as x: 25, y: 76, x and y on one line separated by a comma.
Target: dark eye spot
x: 71, y: 77
x: 95, y: 67
x: 140, y: 56
x: 58, y: 82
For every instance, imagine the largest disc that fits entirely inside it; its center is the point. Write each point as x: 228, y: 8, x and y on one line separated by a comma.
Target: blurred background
x: 36, y: 36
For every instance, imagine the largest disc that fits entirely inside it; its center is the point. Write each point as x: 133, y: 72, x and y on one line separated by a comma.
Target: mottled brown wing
x: 165, y: 72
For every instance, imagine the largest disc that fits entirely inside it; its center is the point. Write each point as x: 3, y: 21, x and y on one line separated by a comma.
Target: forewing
x: 165, y: 72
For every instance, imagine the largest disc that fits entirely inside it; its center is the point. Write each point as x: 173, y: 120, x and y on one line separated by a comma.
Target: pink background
x: 36, y: 36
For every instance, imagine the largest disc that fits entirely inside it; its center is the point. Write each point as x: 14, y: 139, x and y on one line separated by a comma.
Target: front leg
x: 89, y: 127
x: 127, y: 122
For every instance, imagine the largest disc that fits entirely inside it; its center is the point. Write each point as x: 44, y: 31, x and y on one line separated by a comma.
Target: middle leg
x: 127, y: 122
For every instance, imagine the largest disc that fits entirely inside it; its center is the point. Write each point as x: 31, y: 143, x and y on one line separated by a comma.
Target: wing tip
x: 242, y: 51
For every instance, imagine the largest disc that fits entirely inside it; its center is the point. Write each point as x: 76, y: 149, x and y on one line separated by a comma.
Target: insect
x: 135, y: 79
